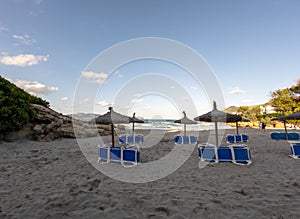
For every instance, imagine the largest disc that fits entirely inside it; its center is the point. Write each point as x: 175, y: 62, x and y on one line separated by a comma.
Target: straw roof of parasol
x: 133, y: 120
x: 244, y: 120
x: 185, y: 120
x: 293, y: 116
x: 218, y: 116
x: 111, y: 117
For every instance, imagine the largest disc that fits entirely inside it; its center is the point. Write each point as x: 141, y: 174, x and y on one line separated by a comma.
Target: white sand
x: 54, y: 180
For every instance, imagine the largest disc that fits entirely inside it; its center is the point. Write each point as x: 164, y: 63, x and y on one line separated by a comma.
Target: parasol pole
x: 216, y: 124
x: 184, y: 129
x: 112, y: 129
x: 112, y: 135
x: 237, y: 128
x: 133, y: 128
x: 286, y: 133
x: 133, y: 123
x: 216, y: 133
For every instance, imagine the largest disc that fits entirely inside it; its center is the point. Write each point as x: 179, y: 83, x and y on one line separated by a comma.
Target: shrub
x: 15, y: 109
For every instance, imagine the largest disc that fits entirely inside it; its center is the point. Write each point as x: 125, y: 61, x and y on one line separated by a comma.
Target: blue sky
x: 252, y: 47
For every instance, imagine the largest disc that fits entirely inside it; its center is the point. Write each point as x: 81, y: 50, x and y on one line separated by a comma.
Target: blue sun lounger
x: 230, y: 139
x: 224, y: 154
x: 294, y: 136
x: 185, y: 139
x: 237, y: 138
x: 245, y: 138
x: 295, y: 148
x: 126, y: 155
x: 213, y: 154
x: 131, y: 139
x: 208, y: 153
x: 237, y: 154
x: 241, y: 154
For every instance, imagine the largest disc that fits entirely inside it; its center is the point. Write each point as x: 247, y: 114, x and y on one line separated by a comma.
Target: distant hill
x: 232, y: 109
x: 84, y: 116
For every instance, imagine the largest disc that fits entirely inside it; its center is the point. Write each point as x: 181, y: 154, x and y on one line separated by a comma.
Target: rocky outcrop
x: 49, y: 125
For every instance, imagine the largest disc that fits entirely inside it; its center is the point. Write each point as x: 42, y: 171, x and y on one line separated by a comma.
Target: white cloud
x: 10, y: 80
x: 24, y: 39
x: 82, y: 101
x: 172, y: 87
x: 194, y: 88
x: 147, y: 107
x: 236, y: 90
x: 23, y: 60
x: 186, y: 98
x: 118, y: 73
x: 63, y: 98
x: 103, y: 103
x: 136, y: 100
x: 98, y: 78
x: 35, y: 87
x: 2, y: 28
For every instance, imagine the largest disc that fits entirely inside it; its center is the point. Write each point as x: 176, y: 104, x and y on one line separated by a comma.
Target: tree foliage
x: 15, y: 110
x: 283, y: 100
x: 296, y: 88
x: 249, y: 112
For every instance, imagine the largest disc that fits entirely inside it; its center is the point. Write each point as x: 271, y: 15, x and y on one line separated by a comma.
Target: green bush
x: 15, y: 110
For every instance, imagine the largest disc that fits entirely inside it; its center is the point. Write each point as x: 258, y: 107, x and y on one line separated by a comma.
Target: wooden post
x: 286, y: 133
x: 216, y: 133
x: 112, y: 135
x: 133, y: 128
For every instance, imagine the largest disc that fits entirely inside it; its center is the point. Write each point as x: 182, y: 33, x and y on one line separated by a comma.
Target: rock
x: 38, y: 129
x: 50, y: 125
x: 50, y: 137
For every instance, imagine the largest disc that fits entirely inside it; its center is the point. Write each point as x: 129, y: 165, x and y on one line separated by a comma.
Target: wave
x: 169, y: 124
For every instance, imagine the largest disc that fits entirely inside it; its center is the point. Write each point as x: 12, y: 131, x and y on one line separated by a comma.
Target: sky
x: 49, y: 48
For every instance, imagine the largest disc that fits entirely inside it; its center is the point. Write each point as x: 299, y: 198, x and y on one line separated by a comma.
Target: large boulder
x: 49, y: 125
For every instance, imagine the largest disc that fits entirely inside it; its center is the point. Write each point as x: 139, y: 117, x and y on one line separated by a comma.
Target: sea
x: 168, y: 124
x: 160, y: 124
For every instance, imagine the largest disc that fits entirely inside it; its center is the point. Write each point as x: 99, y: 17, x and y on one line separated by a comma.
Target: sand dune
x: 54, y: 180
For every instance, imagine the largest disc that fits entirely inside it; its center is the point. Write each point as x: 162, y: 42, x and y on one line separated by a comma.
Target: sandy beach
x: 54, y: 180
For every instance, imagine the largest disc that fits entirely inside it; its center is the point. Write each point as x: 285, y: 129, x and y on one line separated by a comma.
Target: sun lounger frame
x: 120, y: 154
x: 185, y: 139
x: 131, y: 139
x: 295, y: 148
x: 294, y: 136
x: 237, y: 154
x: 233, y: 139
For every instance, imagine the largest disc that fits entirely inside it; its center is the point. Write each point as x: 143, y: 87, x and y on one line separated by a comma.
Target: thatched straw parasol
x: 185, y: 121
x: 133, y: 120
x: 111, y: 118
x: 283, y: 118
x: 218, y: 116
x: 293, y: 116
